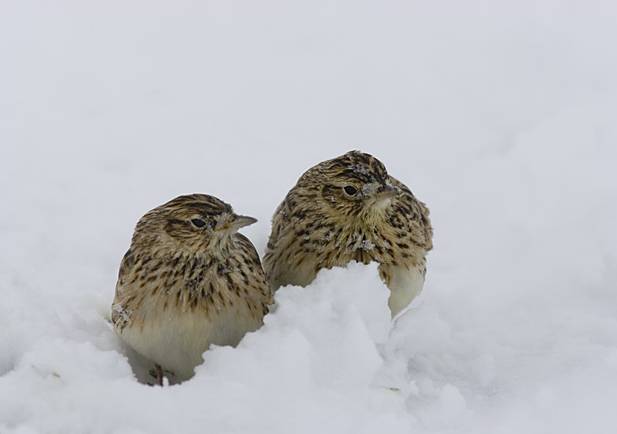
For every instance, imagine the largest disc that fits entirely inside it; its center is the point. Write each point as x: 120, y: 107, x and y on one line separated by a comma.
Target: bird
x: 189, y: 280
x: 350, y: 209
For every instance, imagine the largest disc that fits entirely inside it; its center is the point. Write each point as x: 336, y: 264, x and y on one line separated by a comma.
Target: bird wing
x: 281, y: 222
x: 258, y: 273
x: 419, y: 221
x: 118, y: 314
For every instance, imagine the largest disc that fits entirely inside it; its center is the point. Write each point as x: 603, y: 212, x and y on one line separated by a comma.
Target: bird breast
x: 174, y: 318
x: 176, y: 340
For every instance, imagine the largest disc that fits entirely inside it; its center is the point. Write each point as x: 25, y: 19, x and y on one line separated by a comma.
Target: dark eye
x: 350, y: 190
x: 198, y: 223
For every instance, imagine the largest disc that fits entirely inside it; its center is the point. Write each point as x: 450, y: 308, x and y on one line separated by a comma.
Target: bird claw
x: 161, y: 376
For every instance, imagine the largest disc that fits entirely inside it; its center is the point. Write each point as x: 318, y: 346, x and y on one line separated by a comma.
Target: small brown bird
x: 188, y: 280
x: 350, y: 209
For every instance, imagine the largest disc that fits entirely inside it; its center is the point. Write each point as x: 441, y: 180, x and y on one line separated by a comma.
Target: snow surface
x: 502, y: 116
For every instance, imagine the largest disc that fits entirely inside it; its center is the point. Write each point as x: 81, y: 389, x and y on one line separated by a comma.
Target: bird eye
x: 198, y: 223
x: 350, y: 190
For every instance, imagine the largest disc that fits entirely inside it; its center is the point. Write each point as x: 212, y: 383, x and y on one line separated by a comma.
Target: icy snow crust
x: 502, y: 116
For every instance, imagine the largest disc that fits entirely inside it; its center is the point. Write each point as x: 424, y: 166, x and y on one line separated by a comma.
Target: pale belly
x: 177, y: 340
x: 405, y: 284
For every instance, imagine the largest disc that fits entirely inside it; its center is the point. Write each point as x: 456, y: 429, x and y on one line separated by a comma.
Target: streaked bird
x: 188, y: 280
x: 350, y: 209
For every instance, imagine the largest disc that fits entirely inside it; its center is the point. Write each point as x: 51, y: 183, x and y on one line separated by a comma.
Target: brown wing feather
x: 419, y: 221
x: 261, y: 283
x: 280, y: 225
x: 118, y: 316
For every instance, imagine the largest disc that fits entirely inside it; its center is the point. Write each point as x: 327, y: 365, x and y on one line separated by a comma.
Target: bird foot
x: 160, y: 376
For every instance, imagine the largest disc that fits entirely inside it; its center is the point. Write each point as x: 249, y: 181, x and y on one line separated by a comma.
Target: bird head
x: 192, y: 223
x: 355, y: 185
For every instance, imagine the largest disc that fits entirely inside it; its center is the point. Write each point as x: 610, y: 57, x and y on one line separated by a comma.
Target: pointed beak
x: 233, y: 222
x: 241, y: 221
x: 382, y: 196
x: 385, y: 192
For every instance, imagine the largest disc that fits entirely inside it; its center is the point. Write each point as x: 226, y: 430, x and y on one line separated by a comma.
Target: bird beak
x: 382, y: 196
x: 241, y: 221
x: 385, y: 192
x: 233, y: 222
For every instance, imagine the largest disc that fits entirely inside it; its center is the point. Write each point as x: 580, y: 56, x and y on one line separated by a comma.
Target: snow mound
x: 310, y: 368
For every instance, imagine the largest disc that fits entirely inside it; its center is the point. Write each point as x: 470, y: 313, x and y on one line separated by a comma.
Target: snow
x: 501, y: 116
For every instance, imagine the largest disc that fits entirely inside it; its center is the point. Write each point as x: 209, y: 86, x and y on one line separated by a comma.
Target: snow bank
x: 311, y: 368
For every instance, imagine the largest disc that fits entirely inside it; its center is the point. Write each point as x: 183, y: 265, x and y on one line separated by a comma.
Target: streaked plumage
x: 189, y: 280
x: 350, y: 209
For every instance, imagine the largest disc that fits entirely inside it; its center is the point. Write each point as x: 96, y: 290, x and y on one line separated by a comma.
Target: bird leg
x: 158, y: 374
